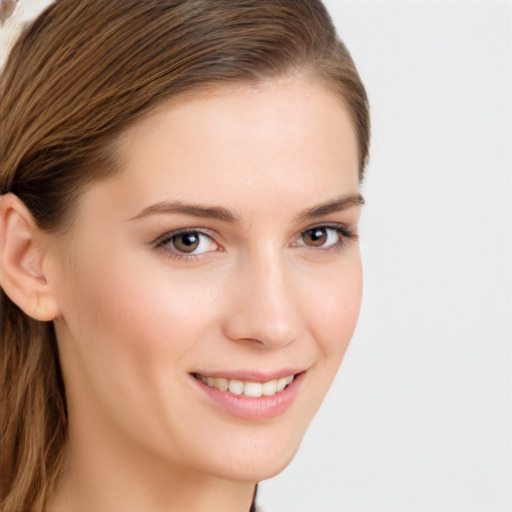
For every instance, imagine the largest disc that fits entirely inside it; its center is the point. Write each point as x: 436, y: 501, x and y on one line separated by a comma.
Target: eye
x: 321, y: 237
x: 187, y: 243
x: 324, y: 237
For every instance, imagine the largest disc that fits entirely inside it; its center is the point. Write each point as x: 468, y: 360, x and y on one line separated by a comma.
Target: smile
x: 254, y: 399
x: 247, y: 388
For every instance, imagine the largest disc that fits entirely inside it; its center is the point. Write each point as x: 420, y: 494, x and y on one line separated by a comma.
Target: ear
x: 22, y: 261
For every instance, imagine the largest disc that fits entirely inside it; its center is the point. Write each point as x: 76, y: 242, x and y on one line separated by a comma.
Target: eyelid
x: 174, y: 232
x: 345, y: 232
x: 161, y: 243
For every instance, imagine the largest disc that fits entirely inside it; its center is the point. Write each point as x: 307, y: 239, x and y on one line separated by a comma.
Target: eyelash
x: 162, y: 242
x: 344, y: 233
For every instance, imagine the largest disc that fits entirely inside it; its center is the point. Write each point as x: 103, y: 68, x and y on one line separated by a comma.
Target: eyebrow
x: 337, y: 205
x: 195, y: 210
x: 225, y: 215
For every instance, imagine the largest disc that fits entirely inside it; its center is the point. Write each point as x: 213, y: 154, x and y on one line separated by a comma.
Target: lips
x: 255, y: 397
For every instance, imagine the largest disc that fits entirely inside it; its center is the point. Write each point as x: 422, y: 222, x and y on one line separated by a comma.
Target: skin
x: 133, y: 320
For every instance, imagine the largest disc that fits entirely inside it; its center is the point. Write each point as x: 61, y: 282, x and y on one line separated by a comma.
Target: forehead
x: 290, y: 140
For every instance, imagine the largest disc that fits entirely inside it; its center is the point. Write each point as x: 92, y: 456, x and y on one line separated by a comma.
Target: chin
x: 253, y: 471
x: 254, y: 462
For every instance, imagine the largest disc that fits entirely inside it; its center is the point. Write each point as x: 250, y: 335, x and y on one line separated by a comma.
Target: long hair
x: 81, y: 73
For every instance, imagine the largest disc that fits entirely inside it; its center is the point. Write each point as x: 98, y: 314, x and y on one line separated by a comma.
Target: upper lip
x: 251, y: 375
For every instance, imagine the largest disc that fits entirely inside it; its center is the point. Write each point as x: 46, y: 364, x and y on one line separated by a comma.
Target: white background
x: 419, y: 418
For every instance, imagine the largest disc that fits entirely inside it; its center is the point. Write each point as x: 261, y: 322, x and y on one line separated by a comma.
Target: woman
x: 180, y: 268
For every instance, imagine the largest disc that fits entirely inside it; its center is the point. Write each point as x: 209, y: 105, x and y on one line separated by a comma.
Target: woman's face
x: 223, y: 254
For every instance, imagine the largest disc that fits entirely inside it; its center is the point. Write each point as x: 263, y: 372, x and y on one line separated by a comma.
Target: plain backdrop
x: 419, y: 418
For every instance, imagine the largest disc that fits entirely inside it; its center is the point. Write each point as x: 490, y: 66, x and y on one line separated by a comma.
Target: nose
x: 263, y: 307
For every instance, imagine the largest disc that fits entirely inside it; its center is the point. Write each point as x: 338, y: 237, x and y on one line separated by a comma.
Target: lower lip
x: 253, y: 408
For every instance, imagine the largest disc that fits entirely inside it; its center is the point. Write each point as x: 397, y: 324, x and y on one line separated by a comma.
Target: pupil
x: 186, y: 242
x: 317, y: 236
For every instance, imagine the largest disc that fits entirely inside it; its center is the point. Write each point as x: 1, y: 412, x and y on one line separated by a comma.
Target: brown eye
x: 322, y: 237
x: 186, y: 242
x: 315, y: 237
x: 191, y: 242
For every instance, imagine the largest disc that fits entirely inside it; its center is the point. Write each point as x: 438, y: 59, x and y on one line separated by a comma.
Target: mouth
x: 247, y: 387
x: 250, y: 399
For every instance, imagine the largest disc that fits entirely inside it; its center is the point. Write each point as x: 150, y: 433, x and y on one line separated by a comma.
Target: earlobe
x: 22, y: 254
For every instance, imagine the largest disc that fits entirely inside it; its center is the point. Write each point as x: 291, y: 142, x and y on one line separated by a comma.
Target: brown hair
x: 82, y: 72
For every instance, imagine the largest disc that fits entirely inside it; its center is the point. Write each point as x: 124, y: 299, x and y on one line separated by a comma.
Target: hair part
x: 79, y: 75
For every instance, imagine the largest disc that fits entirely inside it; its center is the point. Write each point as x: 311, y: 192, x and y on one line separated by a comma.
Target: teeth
x: 236, y: 387
x: 248, y: 388
x: 281, y: 383
x: 253, y: 389
x: 269, y: 388
x: 222, y: 384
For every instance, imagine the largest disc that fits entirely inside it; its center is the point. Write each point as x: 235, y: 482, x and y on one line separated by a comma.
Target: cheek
x: 131, y: 328
x: 334, y: 309
x: 137, y: 306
